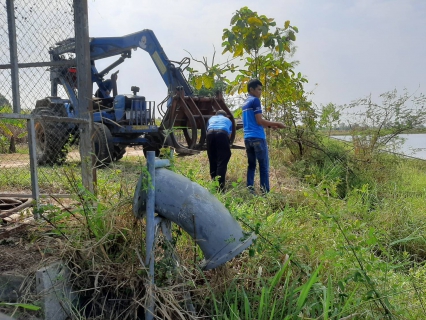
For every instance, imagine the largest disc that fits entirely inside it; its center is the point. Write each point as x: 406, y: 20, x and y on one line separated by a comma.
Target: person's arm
x: 266, y: 123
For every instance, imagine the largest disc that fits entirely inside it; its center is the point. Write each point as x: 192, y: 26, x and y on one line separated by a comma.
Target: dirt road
x: 18, y: 160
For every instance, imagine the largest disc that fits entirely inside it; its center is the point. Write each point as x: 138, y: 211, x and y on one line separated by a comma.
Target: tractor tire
x: 50, y: 136
x: 149, y: 148
x: 154, y: 144
x: 103, y: 147
x: 119, y: 152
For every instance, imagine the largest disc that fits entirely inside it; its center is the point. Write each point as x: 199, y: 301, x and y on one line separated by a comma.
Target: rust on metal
x: 185, y: 122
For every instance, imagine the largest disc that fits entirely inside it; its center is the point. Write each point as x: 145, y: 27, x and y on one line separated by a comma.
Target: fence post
x: 33, y: 165
x: 13, y: 55
x: 84, y: 79
x: 150, y: 234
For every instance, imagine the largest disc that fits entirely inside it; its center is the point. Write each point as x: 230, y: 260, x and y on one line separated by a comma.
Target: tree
x: 379, y: 124
x: 250, y: 33
x: 264, y: 50
x: 11, y: 130
x: 330, y: 116
x: 210, y: 81
x: 283, y: 97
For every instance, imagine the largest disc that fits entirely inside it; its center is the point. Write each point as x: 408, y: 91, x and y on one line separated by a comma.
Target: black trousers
x: 219, y: 153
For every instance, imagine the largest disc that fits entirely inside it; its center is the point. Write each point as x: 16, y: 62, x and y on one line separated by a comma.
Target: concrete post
x: 84, y: 79
x: 52, y: 285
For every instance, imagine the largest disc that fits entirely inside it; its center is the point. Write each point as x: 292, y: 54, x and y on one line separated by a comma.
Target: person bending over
x: 219, y: 129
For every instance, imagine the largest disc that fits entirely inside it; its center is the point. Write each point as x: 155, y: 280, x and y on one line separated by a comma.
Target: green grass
x: 369, y: 241
x: 354, y: 231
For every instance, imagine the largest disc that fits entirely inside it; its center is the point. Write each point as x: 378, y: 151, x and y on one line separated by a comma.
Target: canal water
x: 414, y: 144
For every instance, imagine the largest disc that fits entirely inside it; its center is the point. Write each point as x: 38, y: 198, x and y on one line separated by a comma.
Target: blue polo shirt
x: 251, y: 107
x: 220, y: 122
x: 108, y: 84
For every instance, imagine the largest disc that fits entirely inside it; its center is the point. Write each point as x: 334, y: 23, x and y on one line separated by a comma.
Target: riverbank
x: 349, y: 132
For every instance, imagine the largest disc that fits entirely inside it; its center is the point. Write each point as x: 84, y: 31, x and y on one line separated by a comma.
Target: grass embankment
x: 362, y: 221
x: 354, y: 230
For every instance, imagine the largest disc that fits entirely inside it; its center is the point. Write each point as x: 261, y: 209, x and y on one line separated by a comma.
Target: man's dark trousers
x: 219, y: 153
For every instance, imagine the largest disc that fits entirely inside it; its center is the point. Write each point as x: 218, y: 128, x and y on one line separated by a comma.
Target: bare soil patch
x: 17, y: 256
x: 18, y: 160
x: 25, y: 251
x: 14, y: 160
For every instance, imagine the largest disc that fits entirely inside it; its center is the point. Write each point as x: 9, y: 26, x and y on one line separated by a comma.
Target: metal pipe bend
x: 198, y: 212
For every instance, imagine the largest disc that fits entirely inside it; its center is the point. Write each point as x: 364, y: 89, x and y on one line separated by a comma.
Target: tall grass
x: 338, y: 238
x: 335, y: 210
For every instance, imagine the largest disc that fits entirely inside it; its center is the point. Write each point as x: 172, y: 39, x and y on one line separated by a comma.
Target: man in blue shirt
x: 255, y: 137
x: 108, y: 88
x: 219, y: 129
x: 109, y: 85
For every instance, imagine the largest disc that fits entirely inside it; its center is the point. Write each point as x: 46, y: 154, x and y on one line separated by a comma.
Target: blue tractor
x: 122, y: 120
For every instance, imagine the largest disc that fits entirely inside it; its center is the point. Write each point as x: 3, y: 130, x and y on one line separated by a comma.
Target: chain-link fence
x: 29, y: 29
x: 38, y: 80
x: 42, y: 47
x: 39, y: 25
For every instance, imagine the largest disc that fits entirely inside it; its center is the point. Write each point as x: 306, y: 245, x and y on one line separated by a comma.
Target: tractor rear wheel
x: 186, y: 132
x: 51, y: 136
x: 103, y: 147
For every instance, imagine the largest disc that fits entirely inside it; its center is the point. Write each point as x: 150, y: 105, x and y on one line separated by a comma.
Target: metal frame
x: 13, y: 55
x: 151, y: 225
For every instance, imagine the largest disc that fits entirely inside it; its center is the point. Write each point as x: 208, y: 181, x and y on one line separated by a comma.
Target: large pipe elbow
x: 198, y: 212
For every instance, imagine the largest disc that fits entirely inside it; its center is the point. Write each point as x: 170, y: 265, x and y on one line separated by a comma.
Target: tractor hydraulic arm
x: 104, y: 47
x: 110, y: 46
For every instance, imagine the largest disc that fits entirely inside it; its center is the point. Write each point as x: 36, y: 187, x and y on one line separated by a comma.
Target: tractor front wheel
x: 103, y: 147
x: 119, y: 152
x: 50, y: 135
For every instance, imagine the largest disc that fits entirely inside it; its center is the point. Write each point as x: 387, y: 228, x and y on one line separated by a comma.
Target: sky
x: 347, y: 49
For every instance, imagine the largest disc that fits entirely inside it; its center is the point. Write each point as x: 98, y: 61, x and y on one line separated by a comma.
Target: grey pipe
x: 198, y: 212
